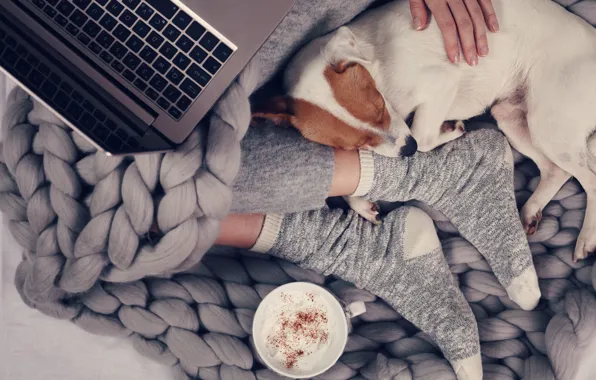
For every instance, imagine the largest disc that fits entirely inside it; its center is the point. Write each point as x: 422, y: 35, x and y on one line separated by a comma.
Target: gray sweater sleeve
x: 281, y: 172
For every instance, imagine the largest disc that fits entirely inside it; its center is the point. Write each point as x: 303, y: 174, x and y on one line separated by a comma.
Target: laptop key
x: 141, y: 29
x: 87, y: 122
x: 132, y: 4
x: 154, y: 40
x: 77, y: 96
x: 53, y: 2
x: 184, y: 43
x: 163, y: 103
x: 65, y: 7
x: 175, y: 113
x: 116, y: 65
x: 166, y: 8
x: 35, y: 78
x: 121, y: 133
x: 95, y: 48
x: 158, y: 22
x: 74, y: 111
x: 184, y: 103
x: 108, y: 22
x: 175, y: 76
x: 101, y: 132
x: 50, y: 11
x: 83, y: 38
x: 44, y: 69
x: 106, y: 57
x: 95, y: 12
x: 61, y: 100
x: 99, y: 115
x: 66, y: 87
x: 145, y: 72
x: 121, y: 33
x: 140, y: 84
x: 195, y: 31
x: 209, y: 41
x: 119, y: 50
x: 128, y: 18
x: 131, y: 61
x: 49, y: 89
x: 23, y: 67
x: 152, y: 94
x: 211, y: 65
x: 144, y: 12
x: 129, y: 75
x: 182, y: 20
x: 88, y: 106
x: 181, y: 61
x: 105, y: 40
x: 198, y: 54
x: 39, y: 3
x: 168, y: 50
x: 161, y: 65
x: 199, y: 75
x: 114, y: 143
x: 148, y: 54
x: 115, y: 8
x: 83, y: 4
x: 61, y: 20
x: 172, y: 93
x: 135, y: 44
x: 158, y: 83
x: 78, y: 18
x: 222, y: 52
x: 73, y: 30
x: 171, y: 33
x: 91, y: 28
x: 190, y: 88
x: 55, y: 78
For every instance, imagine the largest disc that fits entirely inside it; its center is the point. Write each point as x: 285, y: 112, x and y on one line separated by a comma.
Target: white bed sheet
x: 34, y: 346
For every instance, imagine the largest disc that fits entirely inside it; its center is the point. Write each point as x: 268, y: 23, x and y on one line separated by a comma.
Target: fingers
x: 419, y: 14
x: 448, y: 27
x: 490, y: 16
x: 465, y: 27
x: 477, y: 16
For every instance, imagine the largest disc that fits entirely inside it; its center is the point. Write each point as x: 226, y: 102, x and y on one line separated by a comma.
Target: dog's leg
x: 368, y: 210
x: 428, y: 126
x: 512, y: 120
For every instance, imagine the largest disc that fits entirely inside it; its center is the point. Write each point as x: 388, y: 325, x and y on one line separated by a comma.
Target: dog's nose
x: 410, y: 148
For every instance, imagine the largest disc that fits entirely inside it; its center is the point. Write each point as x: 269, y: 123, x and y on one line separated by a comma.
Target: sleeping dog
x: 352, y: 88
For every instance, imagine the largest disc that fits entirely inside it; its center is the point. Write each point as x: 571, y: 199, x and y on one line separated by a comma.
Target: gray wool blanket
x: 69, y: 207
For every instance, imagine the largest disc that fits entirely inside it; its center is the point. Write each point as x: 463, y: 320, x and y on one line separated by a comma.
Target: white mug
x: 338, y: 315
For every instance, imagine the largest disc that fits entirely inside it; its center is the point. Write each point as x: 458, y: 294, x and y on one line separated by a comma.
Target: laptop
x: 132, y: 76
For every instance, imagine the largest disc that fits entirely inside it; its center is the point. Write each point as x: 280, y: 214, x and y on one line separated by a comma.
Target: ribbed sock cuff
x: 269, y: 233
x: 367, y: 173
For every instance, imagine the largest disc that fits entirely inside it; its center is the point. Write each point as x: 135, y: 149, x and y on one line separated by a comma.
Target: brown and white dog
x: 353, y: 87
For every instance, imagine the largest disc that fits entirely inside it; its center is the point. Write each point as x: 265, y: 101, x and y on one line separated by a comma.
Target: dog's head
x: 333, y: 99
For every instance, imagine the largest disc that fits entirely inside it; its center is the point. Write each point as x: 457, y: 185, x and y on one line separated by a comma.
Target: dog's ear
x: 345, y: 50
x: 278, y: 110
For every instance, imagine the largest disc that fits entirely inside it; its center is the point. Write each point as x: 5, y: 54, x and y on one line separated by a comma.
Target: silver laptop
x: 132, y: 76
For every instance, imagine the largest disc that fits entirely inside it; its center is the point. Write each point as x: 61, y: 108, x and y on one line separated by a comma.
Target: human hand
x: 460, y: 21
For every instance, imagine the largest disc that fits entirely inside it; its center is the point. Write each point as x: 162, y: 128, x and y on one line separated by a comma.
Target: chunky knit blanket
x: 70, y: 207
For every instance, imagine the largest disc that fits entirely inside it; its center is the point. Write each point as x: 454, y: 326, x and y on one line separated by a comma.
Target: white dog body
x: 539, y: 81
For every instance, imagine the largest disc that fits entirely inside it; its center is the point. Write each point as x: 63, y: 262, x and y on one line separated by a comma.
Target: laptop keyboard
x: 32, y: 71
x: 159, y: 48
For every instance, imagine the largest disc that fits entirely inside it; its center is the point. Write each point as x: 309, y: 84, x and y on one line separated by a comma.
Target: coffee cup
x: 300, y: 329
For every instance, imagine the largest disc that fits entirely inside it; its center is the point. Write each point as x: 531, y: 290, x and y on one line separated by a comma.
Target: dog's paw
x: 453, y: 126
x: 368, y: 210
x: 530, y: 219
x: 586, y: 245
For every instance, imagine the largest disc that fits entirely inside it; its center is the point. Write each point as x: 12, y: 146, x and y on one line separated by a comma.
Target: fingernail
x: 494, y: 26
x: 483, y: 51
x: 473, y: 61
x: 455, y: 58
x: 417, y: 23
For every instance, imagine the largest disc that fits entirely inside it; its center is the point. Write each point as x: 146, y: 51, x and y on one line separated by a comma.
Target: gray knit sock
x: 400, y: 260
x: 469, y: 180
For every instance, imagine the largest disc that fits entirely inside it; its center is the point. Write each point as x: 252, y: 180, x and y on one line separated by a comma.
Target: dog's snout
x: 410, y: 148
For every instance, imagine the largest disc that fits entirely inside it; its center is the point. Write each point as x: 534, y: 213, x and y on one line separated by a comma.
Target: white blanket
x: 34, y: 346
